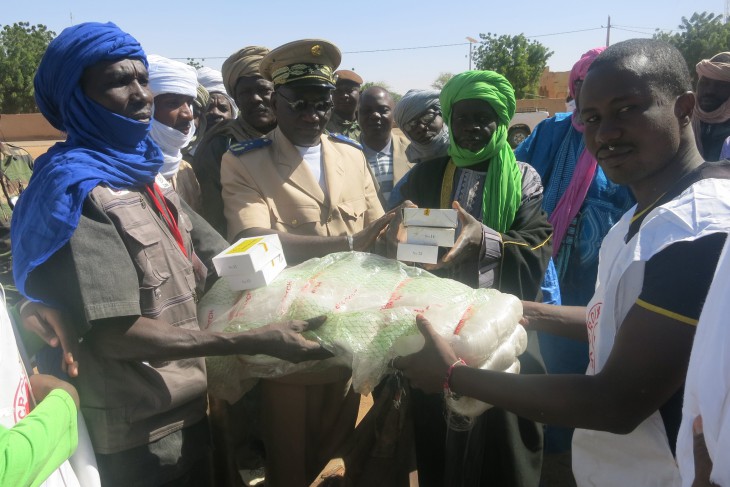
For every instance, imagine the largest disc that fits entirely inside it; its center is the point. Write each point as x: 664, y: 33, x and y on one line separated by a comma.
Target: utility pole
x: 608, y: 32
x: 472, y: 41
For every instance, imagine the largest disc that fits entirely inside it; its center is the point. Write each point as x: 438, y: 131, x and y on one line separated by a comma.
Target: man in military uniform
x: 345, y: 99
x: 16, y: 166
x: 316, y: 192
x: 252, y: 94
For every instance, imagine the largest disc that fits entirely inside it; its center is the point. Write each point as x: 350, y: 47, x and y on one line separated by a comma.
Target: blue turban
x: 101, y: 148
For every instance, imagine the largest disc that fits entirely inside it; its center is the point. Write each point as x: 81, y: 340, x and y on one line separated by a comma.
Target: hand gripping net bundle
x: 371, y: 304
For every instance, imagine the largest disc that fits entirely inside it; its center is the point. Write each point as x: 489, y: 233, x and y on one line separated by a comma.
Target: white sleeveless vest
x: 642, y: 457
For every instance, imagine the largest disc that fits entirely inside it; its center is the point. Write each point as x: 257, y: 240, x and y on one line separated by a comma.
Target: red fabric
x: 161, y: 204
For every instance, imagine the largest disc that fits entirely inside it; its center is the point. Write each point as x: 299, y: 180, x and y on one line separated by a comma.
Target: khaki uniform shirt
x: 207, y: 166
x: 270, y: 186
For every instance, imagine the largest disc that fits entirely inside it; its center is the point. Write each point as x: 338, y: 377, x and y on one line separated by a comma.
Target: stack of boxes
x: 251, y: 262
x: 427, y: 229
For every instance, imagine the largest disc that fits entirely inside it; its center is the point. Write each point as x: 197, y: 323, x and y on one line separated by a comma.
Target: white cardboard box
x: 439, y: 236
x: 425, y: 254
x: 248, y: 255
x: 430, y: 217
x: 260, y: 278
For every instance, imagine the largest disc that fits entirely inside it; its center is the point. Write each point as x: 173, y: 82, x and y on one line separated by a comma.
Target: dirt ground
x: 35, y: 147
x: 336, y: 468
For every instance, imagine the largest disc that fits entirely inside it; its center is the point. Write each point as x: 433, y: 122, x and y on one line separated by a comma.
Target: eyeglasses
x: 298, y: 106
x: 426, y: 119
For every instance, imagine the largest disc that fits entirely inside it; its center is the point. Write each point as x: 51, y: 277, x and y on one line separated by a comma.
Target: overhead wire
x: 450, y: 45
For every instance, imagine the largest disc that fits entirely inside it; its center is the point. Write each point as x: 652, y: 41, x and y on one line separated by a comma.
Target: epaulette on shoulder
x: 345, y: 139
x: 249, y: 145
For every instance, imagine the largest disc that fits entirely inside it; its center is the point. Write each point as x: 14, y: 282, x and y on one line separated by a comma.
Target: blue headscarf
x: 102, y: 147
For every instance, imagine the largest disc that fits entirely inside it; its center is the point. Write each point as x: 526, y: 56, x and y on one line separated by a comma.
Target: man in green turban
x: 504, y: 243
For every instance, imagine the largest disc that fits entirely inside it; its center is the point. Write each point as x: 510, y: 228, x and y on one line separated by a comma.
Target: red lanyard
x: 166, y: 214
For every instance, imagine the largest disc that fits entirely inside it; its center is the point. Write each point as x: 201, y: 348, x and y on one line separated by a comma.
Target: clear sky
x: 214, y: 29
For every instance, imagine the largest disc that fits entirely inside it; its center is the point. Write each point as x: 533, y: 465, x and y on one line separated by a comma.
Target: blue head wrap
x: 102, y: 147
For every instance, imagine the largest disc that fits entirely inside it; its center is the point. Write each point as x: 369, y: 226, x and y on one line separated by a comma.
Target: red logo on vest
x: 21, y: 401
x: 591, y: 323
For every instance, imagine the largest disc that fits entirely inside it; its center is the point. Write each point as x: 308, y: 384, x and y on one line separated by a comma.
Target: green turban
x: 503, y: 186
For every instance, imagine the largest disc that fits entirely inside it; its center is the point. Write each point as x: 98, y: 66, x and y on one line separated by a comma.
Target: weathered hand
x: 284, y: 340
x: 42, y: 385
x: 427, y: 368
x: 48, y: 323
x: 468, y: 243
x: 365, y: 238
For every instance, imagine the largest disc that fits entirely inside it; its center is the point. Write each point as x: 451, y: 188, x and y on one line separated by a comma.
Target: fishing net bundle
x: 371, y: 304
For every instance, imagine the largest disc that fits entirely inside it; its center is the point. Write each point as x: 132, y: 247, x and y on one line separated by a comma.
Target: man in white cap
x: 220, y: 105
x: 316, y: 192
x: 175, y: 87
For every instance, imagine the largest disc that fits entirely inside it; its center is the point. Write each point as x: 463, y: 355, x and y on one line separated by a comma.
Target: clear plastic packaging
x: 371, y: 303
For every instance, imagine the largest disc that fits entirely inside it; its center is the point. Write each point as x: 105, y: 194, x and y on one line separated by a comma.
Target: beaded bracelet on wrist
x: 447, y: 380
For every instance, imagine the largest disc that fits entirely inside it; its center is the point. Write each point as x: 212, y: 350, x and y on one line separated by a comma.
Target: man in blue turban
x: 102, y: 236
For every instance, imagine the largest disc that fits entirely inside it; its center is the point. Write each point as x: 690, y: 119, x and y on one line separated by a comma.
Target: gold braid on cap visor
x: 293, y: 72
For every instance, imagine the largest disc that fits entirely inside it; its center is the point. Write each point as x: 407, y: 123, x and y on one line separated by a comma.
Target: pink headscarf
x: 707, y: 68
x: 571, y: 201
x: 579, y: 73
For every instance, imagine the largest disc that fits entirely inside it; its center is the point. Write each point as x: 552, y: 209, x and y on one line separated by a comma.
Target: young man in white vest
x: 656, y: 267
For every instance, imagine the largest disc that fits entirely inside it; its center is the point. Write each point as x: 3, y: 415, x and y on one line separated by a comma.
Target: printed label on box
x: 247, y: 255
x: 425, y: 254
x: 442, y: 237
x: 244, y: 245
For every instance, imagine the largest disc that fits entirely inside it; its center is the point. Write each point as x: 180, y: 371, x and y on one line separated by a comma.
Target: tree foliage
x: 441, y: 80
x: 700, y: 37
x: 194, y: 62
x: 21, y: 48
x: 516, y: 58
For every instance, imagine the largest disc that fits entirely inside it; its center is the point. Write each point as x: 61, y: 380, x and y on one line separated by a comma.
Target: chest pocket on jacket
x: 352, y: 210
x: 186, y: 228
x: 147, y: 250
x: 297, y: 219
